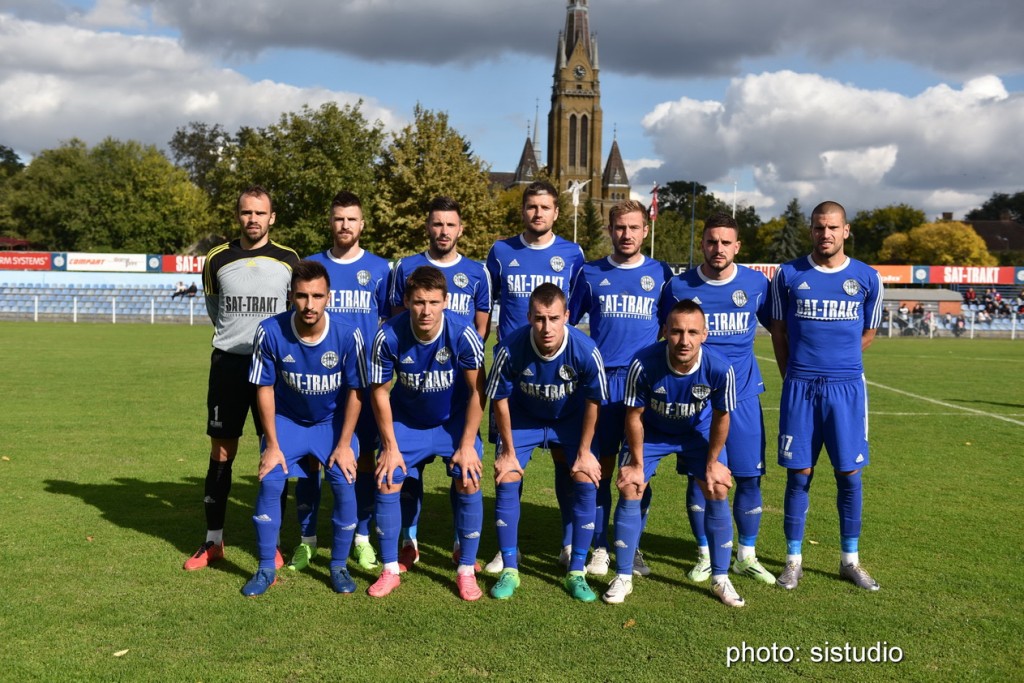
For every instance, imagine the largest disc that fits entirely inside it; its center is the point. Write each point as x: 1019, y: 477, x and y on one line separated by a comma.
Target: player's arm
x: 271, y: 456
x: 586, y: 463
x: 780, y: 343
x: 482, y: 323
x: 716, y: 473
x: 866, y: 338
x: 505, y: 460
x: 343, y: 456
x: 390, y: 457
x: 632, y: 473
x: 466, y: 457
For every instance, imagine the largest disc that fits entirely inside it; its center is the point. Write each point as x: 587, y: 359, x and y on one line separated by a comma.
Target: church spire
x: 577, y: 29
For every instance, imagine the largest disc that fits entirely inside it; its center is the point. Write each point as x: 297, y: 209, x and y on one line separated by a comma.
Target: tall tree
x: 792, y: 236
x: 197, y: 148
x: 997, y: 205
x: 947, y: 243
x: 10, y: 163
x: 868, y: 229
x: 426, y: 159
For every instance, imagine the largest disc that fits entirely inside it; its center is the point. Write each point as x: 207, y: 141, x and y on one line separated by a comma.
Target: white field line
x: 934, y: 400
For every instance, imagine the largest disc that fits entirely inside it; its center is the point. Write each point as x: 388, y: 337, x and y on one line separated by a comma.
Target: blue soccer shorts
x: 746, y: 443
x: 420, y: 445
x: 823, y: 411
x: 297, y: 441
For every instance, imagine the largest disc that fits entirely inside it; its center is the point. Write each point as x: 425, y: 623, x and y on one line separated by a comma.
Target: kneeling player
x: 678, y: 398
x: 434, y: 408
x: 310, y: 369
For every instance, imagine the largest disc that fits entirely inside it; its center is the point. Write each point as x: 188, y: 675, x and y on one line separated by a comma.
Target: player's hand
x: 270, y: 458
x: 587, y: 465
x: 718, y: 474
x: 387, y: 462
x: 345, y: 458
x: 631, y: 476
x: 469, y: 463
x: 506, y: 464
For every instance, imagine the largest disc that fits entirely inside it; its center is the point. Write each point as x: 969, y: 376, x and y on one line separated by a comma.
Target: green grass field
x: 103, y: 454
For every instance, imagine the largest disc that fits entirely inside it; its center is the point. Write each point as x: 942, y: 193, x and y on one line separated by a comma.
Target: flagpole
x: 653, y: 214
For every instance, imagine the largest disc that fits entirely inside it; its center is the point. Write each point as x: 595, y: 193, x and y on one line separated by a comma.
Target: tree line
x: 123, y: 196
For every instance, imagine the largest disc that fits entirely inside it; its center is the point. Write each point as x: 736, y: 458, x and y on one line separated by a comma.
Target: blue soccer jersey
x: 622, y: 301
x: 516, y: 269
x: 469, y: 287
x: 677, y: 407
x: 733, y: 308
x: 310, y: 379
x: 826, y: 310
x: 429, y: 386
x: 547, y: 389
x: 359, y: 289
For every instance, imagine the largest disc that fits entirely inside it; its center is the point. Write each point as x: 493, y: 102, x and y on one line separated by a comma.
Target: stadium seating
x: 99, y: 302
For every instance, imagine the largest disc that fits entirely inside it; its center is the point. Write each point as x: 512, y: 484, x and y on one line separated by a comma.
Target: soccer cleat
x: 207, y: 554
x: 791, y: 575
x: 576, y: 584
x: 858, y: 576
x: 565, y: 556
x: 407, y: 557
x: 617, y: 591
x: 468, y: 588
x: 302, y: 556
x: 752, y: 568
x: 385, y: 583
x: 457, y: 555
x: 259, y: 583
x: 278, y: 559
x: 599, y: 562
x: 724, y: 591
x: 701, y: 572
x: 640, y: 567
x: 507, y: 584
x: 365, y: 555
x: 341, y: 581
x: 497, y: 565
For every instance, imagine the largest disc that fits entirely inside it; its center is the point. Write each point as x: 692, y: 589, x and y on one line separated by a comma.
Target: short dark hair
x: 308, y: 270
x: 444, y: 204
x: 345, y: 199
x: 253, y: 191
x: 829, y: 207
x: 721, y: 220
x: 540, y: 187
x: 547, y: 294
x: 426, y: 277
x: 686, y: 306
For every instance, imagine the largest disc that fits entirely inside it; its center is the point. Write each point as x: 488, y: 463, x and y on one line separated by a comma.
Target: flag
x: 654, y: 203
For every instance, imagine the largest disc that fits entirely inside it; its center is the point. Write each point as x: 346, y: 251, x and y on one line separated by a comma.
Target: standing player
x: 434, y: 409
x: 244, y: 280
x: 359, y: 282
x: 310, y: 370
x: 620, y: 293
x: 735, y: 299
x: 679, y: 395
x: 825, y: 310
x: 546, y: 386
x: 517, y: 266
x: 469, y: 302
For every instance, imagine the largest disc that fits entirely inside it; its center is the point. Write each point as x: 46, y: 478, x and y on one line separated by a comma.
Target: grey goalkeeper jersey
x: 243, y: 287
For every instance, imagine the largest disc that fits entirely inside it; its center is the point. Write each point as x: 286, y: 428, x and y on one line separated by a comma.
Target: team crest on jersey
x: 557, y: 264
x: 647, y: 282
x: 700, y: 391
x: 329, y: 360
x: 567, y: 373
x: 363, y: 277
x: 851, y: 287
x: 739, y: 297
x: 461, y: 280
x: 442, y: 355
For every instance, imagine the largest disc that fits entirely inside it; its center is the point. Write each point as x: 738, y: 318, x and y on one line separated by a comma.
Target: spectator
x: 970, y: 296
x: 959, y: 325
x: 918, y: 311
x: 192, y: 290
x: 180, y: 290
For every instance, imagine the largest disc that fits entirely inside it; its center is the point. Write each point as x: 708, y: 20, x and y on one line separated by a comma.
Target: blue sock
x: 795, y: 504
x: 563, y: 493
x: 603, y: 513
x: 412, y: 503
x: 366, y: 491
x: 850, y: 503
x: 645, y: 507
x: 718, y: 528
x: 343, y: 517
x: 266, y: 519
x: 695, y: 510
x: 506, y: 518
x: 746, y: 509
x: 469, y: 519
x: 583, y: 511
x: 307, y: 503
x: 628, y: 525
x: 389, y: 523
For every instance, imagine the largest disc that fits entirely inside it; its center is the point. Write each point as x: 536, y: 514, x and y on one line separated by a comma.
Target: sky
x: 869, y: 103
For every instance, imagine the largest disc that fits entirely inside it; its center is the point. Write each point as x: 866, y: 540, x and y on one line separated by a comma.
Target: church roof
x: 526, y: 171
x: 615, y: 169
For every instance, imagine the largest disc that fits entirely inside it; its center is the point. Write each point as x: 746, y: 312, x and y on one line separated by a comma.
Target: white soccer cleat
x: 565, y: 556
x: 497, y: 565
x: 599, y: 562
x: 617, y: 591
x: 725, y: 592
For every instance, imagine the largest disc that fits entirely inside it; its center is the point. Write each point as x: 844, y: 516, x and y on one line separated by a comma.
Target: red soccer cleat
x: 207, y: 554
x: 468, y: 588
x: 407, y: 557
x: 387, y: 582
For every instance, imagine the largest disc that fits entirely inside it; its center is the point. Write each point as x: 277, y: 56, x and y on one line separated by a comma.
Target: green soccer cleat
x: 576, y: 584
x: 365, y: 555
x: 302, y: 556
x: 752, y: 568
x: 701, y: 571
x: 507, y: 584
